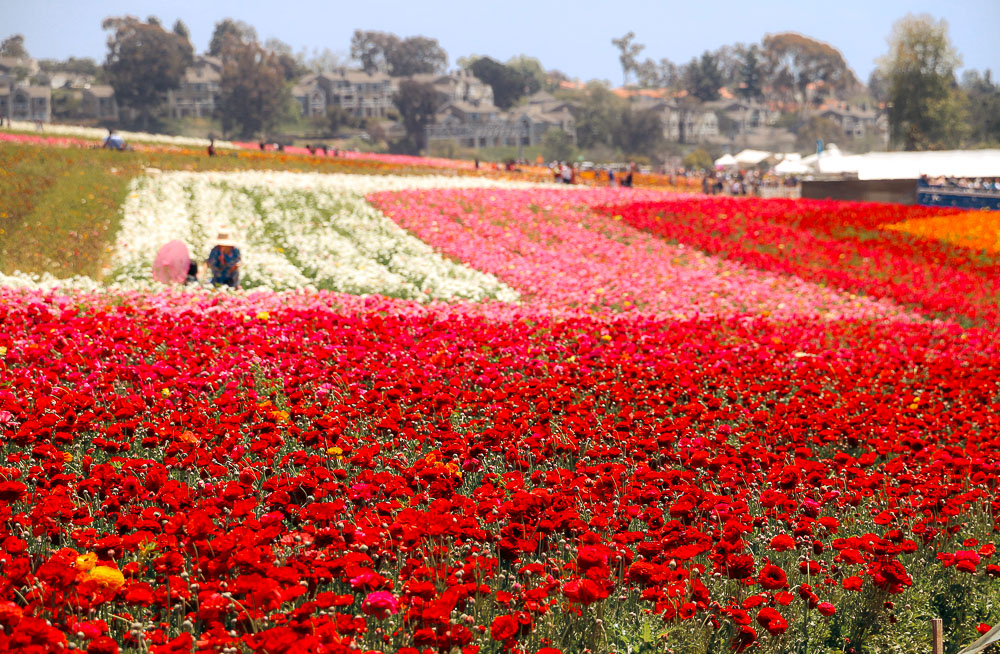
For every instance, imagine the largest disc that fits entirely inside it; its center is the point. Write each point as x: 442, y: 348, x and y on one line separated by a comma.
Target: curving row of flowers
x: 551, y: 246
x: 854, y: 247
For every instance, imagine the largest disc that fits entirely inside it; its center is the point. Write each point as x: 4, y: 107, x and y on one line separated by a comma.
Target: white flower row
x: 99, y: 134
x: 294, y: 230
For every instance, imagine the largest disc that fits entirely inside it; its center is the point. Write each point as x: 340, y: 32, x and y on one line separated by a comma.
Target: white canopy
x: 752, y: 157
x: 791, y: 164
x: 907, y: 165
x: 726, y: 161
x: 944, y: 163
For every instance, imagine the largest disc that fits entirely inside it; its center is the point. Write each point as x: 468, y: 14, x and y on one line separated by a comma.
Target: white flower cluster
x: 99, y: 134
x: 294, y: 230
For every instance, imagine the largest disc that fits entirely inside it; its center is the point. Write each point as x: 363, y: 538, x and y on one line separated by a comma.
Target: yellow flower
x: 86, y: 561
x: 108, y: 577
x: 166, y: 392
x: 3, y: 351
x: 336, y: 451
x: 263, y: 315
x: 280, y: 416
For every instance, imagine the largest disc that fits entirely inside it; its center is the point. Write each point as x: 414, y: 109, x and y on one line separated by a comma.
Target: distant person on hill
x: 114, y: 141
x: 224, y: 261
x: 211, y: 147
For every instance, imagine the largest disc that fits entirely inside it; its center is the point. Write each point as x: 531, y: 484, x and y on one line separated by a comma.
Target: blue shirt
x: 224, y: 265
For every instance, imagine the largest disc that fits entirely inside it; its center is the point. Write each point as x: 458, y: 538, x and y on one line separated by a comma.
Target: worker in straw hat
x: 224, y: 260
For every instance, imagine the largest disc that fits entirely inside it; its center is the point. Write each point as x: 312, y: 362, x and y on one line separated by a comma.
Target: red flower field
x: 328, y: 473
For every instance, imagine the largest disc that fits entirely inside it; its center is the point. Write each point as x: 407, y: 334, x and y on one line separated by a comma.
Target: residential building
x: 744, y: 116
x: 484, y: 125
x: 25, y: 102
x: 458, y: 86
x: 361, y: 94
x: 198, y: 93
x: 98, y: 102
x: 311, y: 97
x: 690, y: 122
x: 857, y: 121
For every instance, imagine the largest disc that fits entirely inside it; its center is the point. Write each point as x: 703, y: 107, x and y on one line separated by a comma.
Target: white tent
x: 791, y: 164
x: 726, y: 161
x: 906, y: 165
x: 752, y: 157
x: 944, y: 163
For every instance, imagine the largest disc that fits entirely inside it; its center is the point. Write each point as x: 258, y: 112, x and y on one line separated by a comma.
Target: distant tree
x: 229, y: 29
x: 531, y: 71
x: 919, y: 70
x: 292, y: 66
x: 382, y: 51
x: 13, y: 46
x: 144, y: 61
x: 698, y: 159
x: 181, y: 30
x: 507, y: 83
x: 638, y: 131
x: 599, y: 112
x: 628, y: 51
x: 415, y: 55
x: 751, y: 74
x: 984, y: 107
x: 154, y: 20
x: 702, y: 77
x: 369, y: 49
x: 417, y: 103
x: 325, y: 61
x: 878, y: 86
x: 729, y: 61
x: 81, y: 66
x: 557, y: 145
x: 651, y: 74
x: 253, y: 94
x: 794, y: 61
x: 338, y: 117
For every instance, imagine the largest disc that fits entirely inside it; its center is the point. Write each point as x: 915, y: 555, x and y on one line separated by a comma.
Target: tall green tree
x: 228, y: 30
x: 628, y: 50
x: 507, y: 83
x: 417, y: 103
x: 638, y: 131
x: 557, y: 145
x: 599, y: 112
x: 984, y: 107
x: 919, y: 70
x: 703, y: 78
x: 385, y: 52
x: 181, y: 30
x: 13, y: 46
x: 531, y: 71
x: 253, y: 93
x: 795, y: 61
x: 751, y: 74
x: 144, y: 61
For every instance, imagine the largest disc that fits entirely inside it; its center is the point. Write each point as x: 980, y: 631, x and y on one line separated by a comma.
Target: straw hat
x: 225, y: 237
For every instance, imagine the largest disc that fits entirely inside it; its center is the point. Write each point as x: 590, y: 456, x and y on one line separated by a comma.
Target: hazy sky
x: 574, y: 37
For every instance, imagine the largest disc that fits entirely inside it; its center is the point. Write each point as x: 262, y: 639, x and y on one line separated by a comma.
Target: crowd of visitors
x: 983, y: 184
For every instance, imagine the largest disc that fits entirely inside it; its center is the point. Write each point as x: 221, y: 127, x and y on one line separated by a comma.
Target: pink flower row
x: 550, y: 246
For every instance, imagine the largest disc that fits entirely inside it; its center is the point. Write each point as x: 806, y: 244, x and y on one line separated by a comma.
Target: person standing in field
x: 224, y: 261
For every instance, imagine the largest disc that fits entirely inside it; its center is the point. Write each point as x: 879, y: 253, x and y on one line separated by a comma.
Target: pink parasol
x: 171, y: 263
